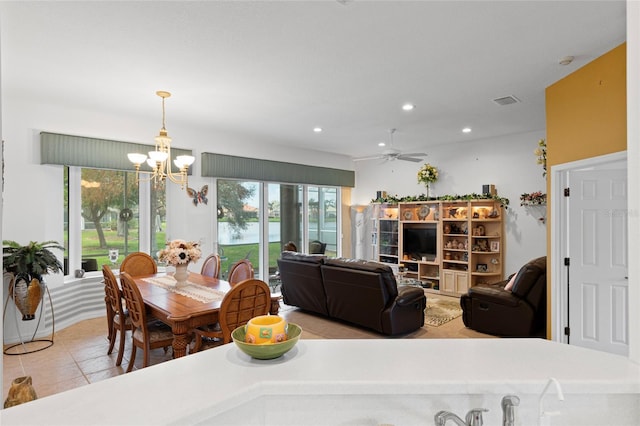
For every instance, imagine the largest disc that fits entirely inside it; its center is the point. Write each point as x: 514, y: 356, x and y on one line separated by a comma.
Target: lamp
x: 160, y: 159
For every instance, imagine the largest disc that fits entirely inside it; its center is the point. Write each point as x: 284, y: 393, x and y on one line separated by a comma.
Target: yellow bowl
x: 265, y: 329
x: 269, y: 351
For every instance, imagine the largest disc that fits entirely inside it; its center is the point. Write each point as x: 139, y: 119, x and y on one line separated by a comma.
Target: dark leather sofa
x: 357, y: 291
x: 519, y: 312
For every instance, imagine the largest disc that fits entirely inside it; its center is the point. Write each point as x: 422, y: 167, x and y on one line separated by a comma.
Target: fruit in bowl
x: 269, y: 350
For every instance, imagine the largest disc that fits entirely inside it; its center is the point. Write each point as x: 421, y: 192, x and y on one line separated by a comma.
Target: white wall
x: 507, y: 162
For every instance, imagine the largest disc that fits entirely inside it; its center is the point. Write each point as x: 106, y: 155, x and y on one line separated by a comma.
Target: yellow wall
x: 586, y: 117
x: 587, y: 110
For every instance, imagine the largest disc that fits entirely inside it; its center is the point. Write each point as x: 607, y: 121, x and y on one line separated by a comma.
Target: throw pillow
x: 509, y: 285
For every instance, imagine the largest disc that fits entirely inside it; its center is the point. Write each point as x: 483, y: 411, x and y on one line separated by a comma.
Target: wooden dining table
x: 183, y: 313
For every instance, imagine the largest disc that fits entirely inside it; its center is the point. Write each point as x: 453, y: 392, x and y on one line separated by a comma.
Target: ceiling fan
x: 392, y: 154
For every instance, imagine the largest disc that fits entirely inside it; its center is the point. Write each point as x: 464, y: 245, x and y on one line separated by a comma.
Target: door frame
x: 559, y: 225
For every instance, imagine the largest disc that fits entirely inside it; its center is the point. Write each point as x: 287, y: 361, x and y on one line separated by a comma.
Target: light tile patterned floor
x: 79, y: 355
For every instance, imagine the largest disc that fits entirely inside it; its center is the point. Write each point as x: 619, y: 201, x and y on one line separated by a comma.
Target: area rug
x: 440, y: 311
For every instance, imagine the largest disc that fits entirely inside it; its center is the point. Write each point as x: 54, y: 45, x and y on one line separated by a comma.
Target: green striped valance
x: 82, y: 151
x: 232, y: 167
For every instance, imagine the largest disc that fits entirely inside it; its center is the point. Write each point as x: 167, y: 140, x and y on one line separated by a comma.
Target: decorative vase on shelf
x: 181, y: 274
x: 427, y: 186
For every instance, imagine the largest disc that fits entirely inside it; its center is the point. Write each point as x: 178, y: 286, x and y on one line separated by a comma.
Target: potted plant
x: 29, y: 263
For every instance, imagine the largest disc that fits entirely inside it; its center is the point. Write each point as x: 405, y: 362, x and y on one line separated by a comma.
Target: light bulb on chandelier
x: 160, y: 158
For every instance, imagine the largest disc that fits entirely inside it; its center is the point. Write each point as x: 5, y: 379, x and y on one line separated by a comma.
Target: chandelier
x: 160, y: 159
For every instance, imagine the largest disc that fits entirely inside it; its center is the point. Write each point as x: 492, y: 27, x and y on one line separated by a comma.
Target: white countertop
x: 199, y: 386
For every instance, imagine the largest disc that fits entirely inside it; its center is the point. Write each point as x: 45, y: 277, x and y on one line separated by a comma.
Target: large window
x: 257, y: 219
x: 102, y: 217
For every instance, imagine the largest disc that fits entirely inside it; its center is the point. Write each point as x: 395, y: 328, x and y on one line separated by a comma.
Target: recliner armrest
x: 494, y: 295
x: 407, y: 295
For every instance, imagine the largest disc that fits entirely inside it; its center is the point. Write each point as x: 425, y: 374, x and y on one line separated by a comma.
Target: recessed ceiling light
x: 466, y: 130
x: 408, y: 107
x: 382, y: 144
x: 317, y: 129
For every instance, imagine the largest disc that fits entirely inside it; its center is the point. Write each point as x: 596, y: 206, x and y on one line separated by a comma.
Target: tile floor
x: 79, y: 353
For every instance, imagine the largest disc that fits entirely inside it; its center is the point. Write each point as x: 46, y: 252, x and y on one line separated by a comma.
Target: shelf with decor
x: 384, y: 233
x: 446, y: 245
x: 486, y: 241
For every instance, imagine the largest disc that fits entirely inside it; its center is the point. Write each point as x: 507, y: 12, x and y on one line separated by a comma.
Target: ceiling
x: 274, y: 70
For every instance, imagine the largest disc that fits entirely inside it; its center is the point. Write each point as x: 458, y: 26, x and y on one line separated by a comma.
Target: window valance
x: 83, y: 151
x: 232, y: 167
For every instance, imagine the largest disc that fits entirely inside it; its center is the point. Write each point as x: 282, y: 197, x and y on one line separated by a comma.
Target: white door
x: 597, y: 248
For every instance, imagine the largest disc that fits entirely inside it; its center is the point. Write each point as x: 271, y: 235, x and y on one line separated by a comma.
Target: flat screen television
x: 419, y: 242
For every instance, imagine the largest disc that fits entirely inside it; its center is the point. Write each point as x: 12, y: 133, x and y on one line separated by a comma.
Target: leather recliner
x: 518, y: 312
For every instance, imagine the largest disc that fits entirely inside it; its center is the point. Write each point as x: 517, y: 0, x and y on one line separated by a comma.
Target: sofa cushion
x: 301, y: 279
x: 385, y: 271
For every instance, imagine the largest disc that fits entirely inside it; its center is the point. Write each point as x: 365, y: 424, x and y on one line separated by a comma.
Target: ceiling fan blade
x: 406, y: 158
x: 371, y: 157
x: 414, y: 154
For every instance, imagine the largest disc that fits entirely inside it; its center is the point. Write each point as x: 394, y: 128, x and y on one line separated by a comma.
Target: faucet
x: 509, y: 404
x: 473, y: 418
x: 541, y: 412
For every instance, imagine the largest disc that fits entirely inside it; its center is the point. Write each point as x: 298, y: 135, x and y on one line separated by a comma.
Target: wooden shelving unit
x: 468, y: 239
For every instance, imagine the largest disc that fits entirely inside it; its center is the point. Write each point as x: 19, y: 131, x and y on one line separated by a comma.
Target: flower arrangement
x: 541, y: 153
x: 533, y: 199
x: 180, y: 252
x: 427, y: 174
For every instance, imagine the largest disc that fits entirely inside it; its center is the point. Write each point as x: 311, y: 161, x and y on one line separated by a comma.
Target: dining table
x: 181, y: 312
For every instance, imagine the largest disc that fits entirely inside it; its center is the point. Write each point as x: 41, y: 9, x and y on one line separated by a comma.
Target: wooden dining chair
x: 240, y: 271
x: 120, y: 321
x: 138, y: 264
x: 146, y: 335
x: 247, y: 299
x: 211, y: 266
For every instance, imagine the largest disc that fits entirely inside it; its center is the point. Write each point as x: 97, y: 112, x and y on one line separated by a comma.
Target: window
x: 102, y: 217
x: 323, y: 220
x: 239, y: 226
x: 258, y: 218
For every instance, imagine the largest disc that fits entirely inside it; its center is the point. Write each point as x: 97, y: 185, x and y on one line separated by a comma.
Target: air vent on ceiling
x: 506, y: 100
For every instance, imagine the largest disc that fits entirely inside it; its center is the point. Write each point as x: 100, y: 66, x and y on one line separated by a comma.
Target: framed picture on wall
x: 495, y: 246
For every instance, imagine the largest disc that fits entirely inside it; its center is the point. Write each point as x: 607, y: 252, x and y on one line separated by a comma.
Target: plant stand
x: 32, y: 345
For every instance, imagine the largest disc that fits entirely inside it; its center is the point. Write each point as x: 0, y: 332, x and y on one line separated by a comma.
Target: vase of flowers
x: 179, y: 253
x: 427, y: 175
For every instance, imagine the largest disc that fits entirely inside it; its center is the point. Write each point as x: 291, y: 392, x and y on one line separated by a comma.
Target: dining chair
x: 119, y: 321
x: 317, y: 247
x: 138, y: 263
x: 245, y: 300
x: 240, y: 271
x: 211, y: 266
x: 146, y: 335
